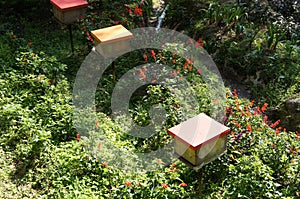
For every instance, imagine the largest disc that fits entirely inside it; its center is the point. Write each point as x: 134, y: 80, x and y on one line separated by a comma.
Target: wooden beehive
x: 68, y: 11
x: 199, y: 140
x: 112, y: 41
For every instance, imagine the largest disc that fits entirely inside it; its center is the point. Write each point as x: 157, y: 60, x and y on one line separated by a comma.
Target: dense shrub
x: 35, y: 110
x: 261, y: 53
x: 44, y: 157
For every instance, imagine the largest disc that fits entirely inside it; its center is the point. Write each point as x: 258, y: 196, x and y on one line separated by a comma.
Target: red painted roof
x: 198, y: 130
x: 69, y: 4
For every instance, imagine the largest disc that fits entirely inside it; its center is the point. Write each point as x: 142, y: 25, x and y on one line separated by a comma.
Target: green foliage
x: 41, y: 158
x: 263, y: 161
x: 31, y: 117
x: 40, y: 64
x: 9, y: 46
x: 260, y: 52
x: 71, y: 172
x: 289, y: 8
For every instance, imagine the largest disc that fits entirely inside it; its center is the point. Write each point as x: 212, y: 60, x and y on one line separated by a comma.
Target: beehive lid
x: 111, y: 34
x: 198, y: 130
x: 69, y: 4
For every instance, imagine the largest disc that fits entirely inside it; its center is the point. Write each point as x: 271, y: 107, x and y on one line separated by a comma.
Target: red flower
x: 185, y: 65
x: 127, y: 7
x: 235, y: 93
x: 173, y: 74
x: 116, y: 22
x: 264, y: 107
x: 257, y: 111
x: 78, y: 137
x: 191, y: 41
x: 145, y: 58
x: 153, y: 54
x: 265, y: 119
x: 199, y: 43
x: 275, y: 124
x: 242, y: 113
x: 172, y: 170
x: 188, y: 62
x: 237, y: 105
x: 154, y: 80
x: 29, y: 43
x: 298, y: 134
x: 249, y: 128
x: 227, y: 109
x: 142, y: 74
x: 128, y: 184
x: 138, y: 11
x: 105, y: 164
x: 164, y: 186
x: 93, y: 19
x: 277, y: 131
x: 183, y: 184
x: 199, y: 71
x: 236, y: 124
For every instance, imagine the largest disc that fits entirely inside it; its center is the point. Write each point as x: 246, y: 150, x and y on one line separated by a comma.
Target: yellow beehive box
x: 68, y: 11
x: 112, y: 41
x: 199, y: 140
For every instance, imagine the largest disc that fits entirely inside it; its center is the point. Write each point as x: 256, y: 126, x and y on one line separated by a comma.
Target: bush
x: 31, y: 118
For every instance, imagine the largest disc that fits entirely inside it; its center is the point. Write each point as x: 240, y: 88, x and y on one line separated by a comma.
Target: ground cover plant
x: 42, y: 154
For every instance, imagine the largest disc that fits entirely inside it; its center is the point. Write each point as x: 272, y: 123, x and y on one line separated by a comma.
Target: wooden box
x: 68, y: 11
x: 112, y: 41
x: 199, y: 140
